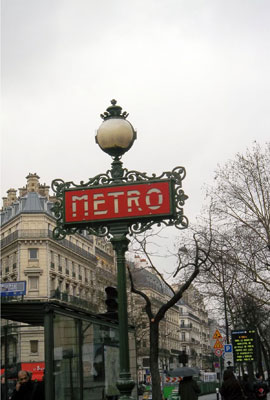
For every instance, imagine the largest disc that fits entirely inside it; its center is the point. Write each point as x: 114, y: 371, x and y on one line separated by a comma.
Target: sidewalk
x: 213, y: 396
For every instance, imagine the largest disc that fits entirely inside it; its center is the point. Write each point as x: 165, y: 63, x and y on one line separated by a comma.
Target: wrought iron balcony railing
x: 45, y: 233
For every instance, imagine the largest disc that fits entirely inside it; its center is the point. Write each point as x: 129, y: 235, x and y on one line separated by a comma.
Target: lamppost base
x: 125, y: 386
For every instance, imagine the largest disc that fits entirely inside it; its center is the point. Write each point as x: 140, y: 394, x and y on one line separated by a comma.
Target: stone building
x: 76, y: 269
x: 184, y: 330
x: 158, y: 292
x: 194, y: 329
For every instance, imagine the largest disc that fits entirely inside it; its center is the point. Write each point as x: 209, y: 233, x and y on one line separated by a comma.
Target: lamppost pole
x: 120, y: 244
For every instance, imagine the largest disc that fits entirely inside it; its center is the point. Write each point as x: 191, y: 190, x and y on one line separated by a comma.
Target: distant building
x: 194, y: 329
x: 159, y: 293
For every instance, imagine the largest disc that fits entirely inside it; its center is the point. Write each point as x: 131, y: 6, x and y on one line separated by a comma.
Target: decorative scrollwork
x: 115, y: 175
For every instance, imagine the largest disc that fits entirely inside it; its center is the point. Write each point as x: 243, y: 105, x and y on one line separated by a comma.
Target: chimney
x: 44, y: 190
x: 32, y: 182
x: 11, y: 196
x: 5, y: 202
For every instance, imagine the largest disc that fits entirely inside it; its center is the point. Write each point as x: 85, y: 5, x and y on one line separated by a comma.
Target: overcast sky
x: 193, y: 75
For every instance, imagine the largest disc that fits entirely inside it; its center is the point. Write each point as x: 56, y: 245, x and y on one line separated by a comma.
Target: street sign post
x: 218, y: 352
x: 228, y: 360
x: 228, y: 348
x: 217, y: 335
x: 17, y: 288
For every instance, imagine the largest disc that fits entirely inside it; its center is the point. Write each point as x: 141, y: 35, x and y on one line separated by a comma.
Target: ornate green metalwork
x: 119, y: 175
x: 114, y: 111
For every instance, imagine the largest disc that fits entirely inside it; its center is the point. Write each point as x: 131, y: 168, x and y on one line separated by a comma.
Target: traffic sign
x: 218, y: 344
x: 17, y: 288
x: 228, y: 348
x: 228, y: 359
x: 218, y: 352
x: 217, y: 335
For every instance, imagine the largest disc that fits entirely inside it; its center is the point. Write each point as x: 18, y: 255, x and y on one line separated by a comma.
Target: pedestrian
x: 6, y: 386
x: 188, y: 389
x: 260, y: 387
x: 3, y: 387
x: 26, y: 389
x: 231, y: 388
x: 248, y: 388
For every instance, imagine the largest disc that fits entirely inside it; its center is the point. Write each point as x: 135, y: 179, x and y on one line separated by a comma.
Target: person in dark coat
x: 231, y: 388
x: 260, y: 387
x: 26, y: 389
x: 248, y: 388
x: 188, y: 389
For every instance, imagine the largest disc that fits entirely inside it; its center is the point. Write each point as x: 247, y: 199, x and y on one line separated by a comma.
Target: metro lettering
x: 97, y: 203
x: 115, y: 200
x: 123, y: 201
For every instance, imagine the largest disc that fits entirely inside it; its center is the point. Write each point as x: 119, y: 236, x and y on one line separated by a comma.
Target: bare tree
x: 241, y: 193
x: 239, y: 204
x: 190, y: 262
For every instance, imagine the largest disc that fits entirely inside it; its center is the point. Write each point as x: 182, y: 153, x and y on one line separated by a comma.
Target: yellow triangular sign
x: 218, y: 345
x: 217, y: 335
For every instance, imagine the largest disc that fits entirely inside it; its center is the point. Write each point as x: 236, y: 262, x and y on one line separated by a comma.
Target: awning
x: 36, y: 369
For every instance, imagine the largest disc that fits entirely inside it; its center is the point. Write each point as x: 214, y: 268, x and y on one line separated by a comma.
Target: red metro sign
x: 119, y: 202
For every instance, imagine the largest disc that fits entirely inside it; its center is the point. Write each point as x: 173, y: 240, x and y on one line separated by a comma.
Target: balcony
x: 103, y: 254
x: 77, y: 301
x: 43, y: 234
x: 186, y: 326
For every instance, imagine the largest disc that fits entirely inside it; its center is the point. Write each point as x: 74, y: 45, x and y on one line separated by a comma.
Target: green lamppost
x: 115, y: 204
x: 115, y: 136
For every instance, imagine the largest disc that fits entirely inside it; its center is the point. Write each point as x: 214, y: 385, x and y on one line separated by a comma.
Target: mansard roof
x: 147, y: 279
x: 30, y: 203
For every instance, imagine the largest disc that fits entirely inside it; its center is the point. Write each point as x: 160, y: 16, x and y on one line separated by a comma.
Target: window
x: 183, y: 336
x: 33, y: 346
x: 146, y: 362
x: 33, y: 282
x: 33, y: 254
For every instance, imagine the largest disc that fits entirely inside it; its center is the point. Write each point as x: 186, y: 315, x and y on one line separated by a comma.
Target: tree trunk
x: 259, y: 356
x: 154, y: 347
x: 265, y: 355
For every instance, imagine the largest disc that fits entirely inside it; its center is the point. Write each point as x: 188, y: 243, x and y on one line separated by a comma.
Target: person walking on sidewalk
x: 188, y: 389
x: 26, y: 389
x: 260, y: 387
x: 231, y: 388
x: 248, y: 388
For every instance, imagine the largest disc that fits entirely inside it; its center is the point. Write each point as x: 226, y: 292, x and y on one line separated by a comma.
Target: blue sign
x: 228, y: 348
x: 13, y: 288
